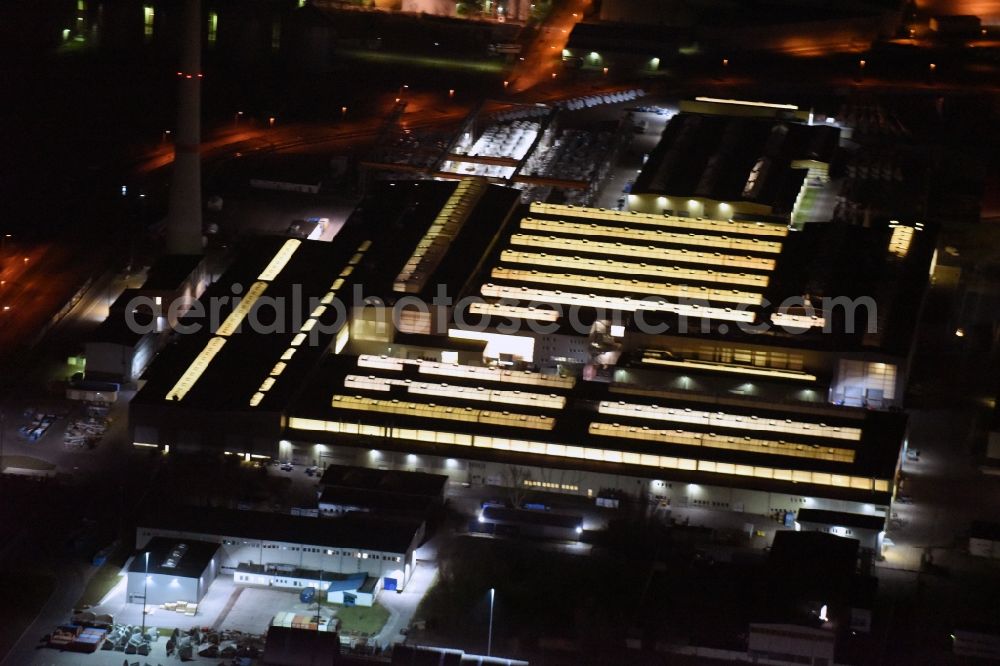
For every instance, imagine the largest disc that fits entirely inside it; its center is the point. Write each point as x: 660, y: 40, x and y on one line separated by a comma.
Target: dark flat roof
x: 713, y: 156
x: 352, y: 530
x: 405, y: 210
x: 842, y: 519
x: 824, y: 553
x: 985, y: 530
x: 170, y: 271
x: 117, y: 330
x: 301, y: 647
x: 392, y: 482
x: 377, y: 502
x: 194, y: 557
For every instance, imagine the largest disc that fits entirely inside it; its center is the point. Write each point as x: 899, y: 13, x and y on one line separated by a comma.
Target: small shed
x: 170, y: 570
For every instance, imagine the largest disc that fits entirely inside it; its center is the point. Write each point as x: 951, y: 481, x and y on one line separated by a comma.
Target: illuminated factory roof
x: 381, y: 402
x: 732, y: 159
x: 271, y: 328
x: 431, y: 249
x: 440, y: 233
x: 728, y: 276
x: 664, y: 266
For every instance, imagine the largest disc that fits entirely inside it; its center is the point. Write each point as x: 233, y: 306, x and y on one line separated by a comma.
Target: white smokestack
x: 184, y: 235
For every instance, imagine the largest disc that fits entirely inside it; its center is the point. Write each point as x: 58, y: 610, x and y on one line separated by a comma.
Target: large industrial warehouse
x: 278, y: 550
x: 721, y: 363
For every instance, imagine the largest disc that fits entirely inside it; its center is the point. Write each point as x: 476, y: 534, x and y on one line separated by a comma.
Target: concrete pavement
x: 402, y: 605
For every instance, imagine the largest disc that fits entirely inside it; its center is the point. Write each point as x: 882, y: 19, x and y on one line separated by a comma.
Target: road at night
x: 544, y: 57
x: 34, y: 289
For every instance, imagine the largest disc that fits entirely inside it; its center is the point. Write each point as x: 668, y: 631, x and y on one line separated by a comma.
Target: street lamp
x: 489, y: 639
x: 236, y: 118
x: 145, y: 591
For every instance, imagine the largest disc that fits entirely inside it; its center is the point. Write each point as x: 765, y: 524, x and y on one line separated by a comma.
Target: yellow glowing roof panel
x: 664, y: 254
x: 196, y: 369
x: 746, y: 228
x: 737, y: 243
x: 472, y: 372
x: 727, y: 442
x: 624, y: 304
x: 676, y: 273
x: 472, y: 393
x: 281, y: 258
x: 625, y: 286
x: 513, y: 311
x: 899, y: 242
x: 693, y: 364
x: 797, y: 321
x: 432, y: 411
x: 242, y: 309
x: 743, y: 102
x: 651, y: 460
x: 724, y: 420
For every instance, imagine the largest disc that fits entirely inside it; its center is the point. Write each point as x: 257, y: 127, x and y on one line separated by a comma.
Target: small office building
x: 167, y: 570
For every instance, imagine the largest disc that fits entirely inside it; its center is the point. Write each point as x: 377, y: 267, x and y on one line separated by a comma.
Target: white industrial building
x: 354, y: 543
x: 168, y: 570
x: 669, y: 368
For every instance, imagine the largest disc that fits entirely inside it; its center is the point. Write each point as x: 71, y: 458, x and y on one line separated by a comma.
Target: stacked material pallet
x: 64, y: 635
x: 89, y: 640
x: 186, y: 607
x: 85, y: 432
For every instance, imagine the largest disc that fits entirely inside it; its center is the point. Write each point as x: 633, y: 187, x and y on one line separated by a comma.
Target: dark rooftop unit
x: 842, y: 519
x: 356, y: 499
x: 392, y: 482
x: 287, y: 646
x: 186, y: 558
x: 808, y: 569
x: 170, y: 271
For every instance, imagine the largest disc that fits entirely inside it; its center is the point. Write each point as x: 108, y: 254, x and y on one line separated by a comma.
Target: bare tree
x: 514, y: 478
